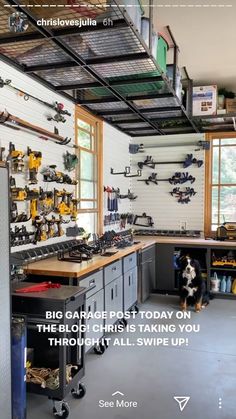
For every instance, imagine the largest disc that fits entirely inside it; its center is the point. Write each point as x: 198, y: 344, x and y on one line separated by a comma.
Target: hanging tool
x: 125, y: 172
x: 62, y: 202
x: 46, y: 201
x: 60, y: 111
x: 42, y: 286
x: 35, y: 161
x: 129, y: 196
x: 70, y: 161
x: 16, y: 158
x: 178, y: 177
x: 56, y: 106
x: 15, y: 217
x: 17, y: 194
x: 59, y: 222
x: 40, y: 226
x: 20, y: 236
x: 183, y: 195
x: 139, y: 174
x: 14, y: 122
x: 2, y: 149
x: 33, y: 197
x: 136, y: 148
x: 50, y: 227
x: 189, y: 160
x: 51, y: 175
x: 4, y: 82
x: 148, y: 218
x: 74, y: 209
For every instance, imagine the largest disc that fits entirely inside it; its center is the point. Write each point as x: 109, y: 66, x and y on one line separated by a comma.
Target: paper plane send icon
x: 182, y: 402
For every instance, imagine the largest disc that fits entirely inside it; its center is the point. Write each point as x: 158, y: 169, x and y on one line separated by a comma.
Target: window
x: 89, y: 191
x: 220, y: 181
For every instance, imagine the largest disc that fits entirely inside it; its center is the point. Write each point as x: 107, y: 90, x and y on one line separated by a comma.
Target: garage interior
x: 117, y: 163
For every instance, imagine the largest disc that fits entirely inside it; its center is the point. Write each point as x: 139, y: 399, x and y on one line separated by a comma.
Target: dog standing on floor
x: 192, y: 285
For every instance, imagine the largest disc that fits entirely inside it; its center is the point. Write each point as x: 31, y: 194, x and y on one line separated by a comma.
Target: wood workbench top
x: 54, y: 267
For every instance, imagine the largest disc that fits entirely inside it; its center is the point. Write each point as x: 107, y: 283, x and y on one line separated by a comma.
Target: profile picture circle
x: 18, y: 22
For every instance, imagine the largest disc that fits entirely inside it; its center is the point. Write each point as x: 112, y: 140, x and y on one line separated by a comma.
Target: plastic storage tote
x: 18, y: 368
x: 161, y: 54
x: 145, y: 24
x: 135, y: 11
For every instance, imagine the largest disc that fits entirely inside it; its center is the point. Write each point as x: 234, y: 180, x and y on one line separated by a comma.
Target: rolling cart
x: 33, y: 306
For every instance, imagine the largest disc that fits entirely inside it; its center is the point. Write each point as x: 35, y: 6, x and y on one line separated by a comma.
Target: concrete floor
x: 205, y: 370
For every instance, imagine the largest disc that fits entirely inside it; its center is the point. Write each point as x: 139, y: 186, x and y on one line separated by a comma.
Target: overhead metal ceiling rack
x: 98, y: 66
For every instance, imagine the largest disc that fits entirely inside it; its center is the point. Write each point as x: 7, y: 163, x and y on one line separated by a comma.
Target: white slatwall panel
x: 116, y: 155
x: 35, y: 113
x: 156, y: 200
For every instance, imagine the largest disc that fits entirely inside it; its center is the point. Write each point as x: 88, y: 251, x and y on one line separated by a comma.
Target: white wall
x: 34, y: 113
x: 116, y: 155
x: 156, y: 200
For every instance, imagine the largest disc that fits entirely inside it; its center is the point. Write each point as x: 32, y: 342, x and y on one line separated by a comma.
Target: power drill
x: 35, y: 161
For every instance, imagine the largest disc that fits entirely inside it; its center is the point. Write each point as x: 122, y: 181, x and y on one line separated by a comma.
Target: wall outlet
x: 183, y: 225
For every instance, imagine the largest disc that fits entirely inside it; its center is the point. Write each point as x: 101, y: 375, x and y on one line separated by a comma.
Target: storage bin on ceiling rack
x: 160, y: 56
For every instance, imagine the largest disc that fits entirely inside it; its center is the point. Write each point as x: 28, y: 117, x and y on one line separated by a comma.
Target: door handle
x: 112, y: 294
x: 129, y: 280
x: 116, y: 288
x: 95, y: 306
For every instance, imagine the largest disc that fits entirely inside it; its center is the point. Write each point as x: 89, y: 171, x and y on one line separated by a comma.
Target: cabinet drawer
x: 129, y: 262
x: 113, y: 271
x: 91, y: 280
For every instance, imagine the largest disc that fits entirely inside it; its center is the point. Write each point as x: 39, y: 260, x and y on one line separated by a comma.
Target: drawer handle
x: 114, y: 268
x: 91, y: 282
x: 112, y: 294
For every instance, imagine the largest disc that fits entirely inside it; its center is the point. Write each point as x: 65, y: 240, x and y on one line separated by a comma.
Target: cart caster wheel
x: 136, y: 309
x: 123, y: 322
x: 99, y: 349
x: 79, y: 392
x: 63, y: 412
x: 106, y: 343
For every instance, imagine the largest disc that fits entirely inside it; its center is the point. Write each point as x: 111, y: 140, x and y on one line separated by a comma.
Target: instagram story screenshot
x: 117, y: 209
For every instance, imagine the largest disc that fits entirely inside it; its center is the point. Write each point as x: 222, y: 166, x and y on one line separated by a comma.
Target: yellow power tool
x: 35, y: 161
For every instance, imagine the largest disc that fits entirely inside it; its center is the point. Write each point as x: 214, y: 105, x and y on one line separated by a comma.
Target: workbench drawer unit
x: 112, y: 271
x: 94, y: 304
x: 95, y: 280
x: 130, y: 288
x: 129, y: 262
x: 114, y: 298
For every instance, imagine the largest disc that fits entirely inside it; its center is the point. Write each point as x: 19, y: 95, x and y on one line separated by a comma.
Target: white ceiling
x: 206, y: 37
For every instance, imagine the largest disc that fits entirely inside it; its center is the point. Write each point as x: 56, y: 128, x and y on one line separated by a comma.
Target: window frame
x: 97, y: 125
x: 208, y: 179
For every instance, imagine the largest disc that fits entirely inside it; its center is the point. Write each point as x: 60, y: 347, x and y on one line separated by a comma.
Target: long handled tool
x: 179, y: 177
x: 56, y: 106
x: 15, y: 122
x: 188, y: 161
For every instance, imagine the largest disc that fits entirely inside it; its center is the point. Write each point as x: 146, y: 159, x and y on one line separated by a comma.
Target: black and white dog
x: 192, y: 285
